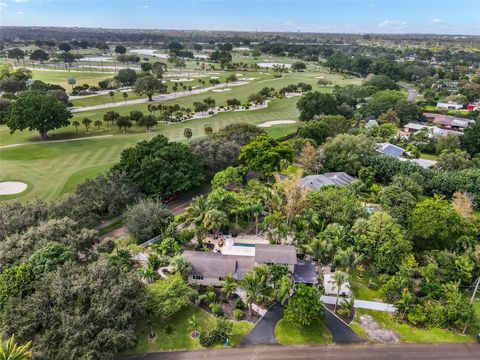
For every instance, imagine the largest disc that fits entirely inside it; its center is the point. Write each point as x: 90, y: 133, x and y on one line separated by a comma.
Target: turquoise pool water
x: 244, y: 244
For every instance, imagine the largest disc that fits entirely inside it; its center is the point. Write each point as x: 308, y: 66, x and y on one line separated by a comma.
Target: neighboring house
x: 449, y: 105
x: 371, y: 123
x: 316, y: 182
x: 448, y: 122
x: 211, y: 268
x: 432, y: 131
x: 330, y: 287
x: 390, y: 150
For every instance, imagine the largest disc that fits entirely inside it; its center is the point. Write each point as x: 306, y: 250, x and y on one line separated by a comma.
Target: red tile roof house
x: 448, y: 122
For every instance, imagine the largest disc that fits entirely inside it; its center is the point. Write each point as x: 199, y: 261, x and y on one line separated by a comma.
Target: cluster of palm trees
x: 87, y: 122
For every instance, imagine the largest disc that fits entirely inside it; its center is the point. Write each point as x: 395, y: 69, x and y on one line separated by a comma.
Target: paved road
x: 264, y: 330
x: 327, y: 352
x: 412, y: 94
x: 362, y: 304
x: 341, y: 332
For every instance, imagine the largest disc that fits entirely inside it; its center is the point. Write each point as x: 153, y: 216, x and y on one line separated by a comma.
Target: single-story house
x: 390, y: 150
x: 316, y: 182
x: 449, y: 105
x: 448, y: 122
x: 330, y: 287
x: 212, y: 268
x: 432, y: 131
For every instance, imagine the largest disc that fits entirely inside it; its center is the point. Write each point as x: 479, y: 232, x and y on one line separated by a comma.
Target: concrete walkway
x: 361, y: 304
x: 264, y: 330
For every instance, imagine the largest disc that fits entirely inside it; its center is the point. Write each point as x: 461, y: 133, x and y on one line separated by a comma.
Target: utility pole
x: 472, y: 299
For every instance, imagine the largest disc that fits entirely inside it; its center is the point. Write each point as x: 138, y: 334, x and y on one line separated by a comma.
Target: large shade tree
x: 38, y: 111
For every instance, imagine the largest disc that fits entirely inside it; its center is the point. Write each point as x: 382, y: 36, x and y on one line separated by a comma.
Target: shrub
x: 218, y: 334
x: 216, y: 309
x: 238, y: 314
x: 239, y: 304
x: 169, y: 329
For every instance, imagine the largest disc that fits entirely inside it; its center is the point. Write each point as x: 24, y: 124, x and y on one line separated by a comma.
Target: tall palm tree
x: 86, y: 121
x: 338, y: 278
x: 283, y: 289
x: 98, y: 123
x: 76, y: 124
x: 197, y: 210
x: 10, y: 350
x: 229, y: 286
x: 193, y: 325
x: 317, y: 249
x: 214, y: 220
x: 348, y: 258
x: 255, y: 286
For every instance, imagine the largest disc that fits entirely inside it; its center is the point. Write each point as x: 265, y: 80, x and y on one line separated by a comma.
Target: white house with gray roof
x: 316, y: 182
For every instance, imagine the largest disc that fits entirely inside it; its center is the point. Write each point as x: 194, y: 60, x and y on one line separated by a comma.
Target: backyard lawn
x: 181, y: 339
x: 288, y: 333
x: 60, y: 77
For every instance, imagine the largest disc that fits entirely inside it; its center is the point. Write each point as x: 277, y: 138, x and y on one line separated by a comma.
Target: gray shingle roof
x: 315, y: 182
x: 210, y: 264
x: 275, y: 254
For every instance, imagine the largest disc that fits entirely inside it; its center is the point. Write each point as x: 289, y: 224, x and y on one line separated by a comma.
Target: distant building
x: 449, y: 105
x: 432, y: 131
x: 316, y: 182
x: 390, y: 150
x: 448, y: 122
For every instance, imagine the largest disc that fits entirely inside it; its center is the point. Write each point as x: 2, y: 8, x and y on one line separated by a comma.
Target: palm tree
x: 98, y: 123
x: 229, y: 286
x: 338, y: 278
x: 112, y: 94
x: 9, y: 350
x: 207, y: 129
x: 283, y: 289
x: 197, y: 210
x: 87, y: 122
x: 148, y: 273
x: 214, y: 220
x: 255, y: 286
x: 71, y: 81
x: 348, y: 258
x: 76, y: 124
x: 125, y: 96
x: 256, y: 210
x: 317, y: 249
x: 193, y: 325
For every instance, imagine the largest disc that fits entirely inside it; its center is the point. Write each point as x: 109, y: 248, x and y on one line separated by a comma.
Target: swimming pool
x: 244, y: 244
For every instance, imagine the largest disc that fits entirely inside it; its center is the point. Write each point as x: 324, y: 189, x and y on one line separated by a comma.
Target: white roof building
x: 449, y: 105
x: 330, y: 287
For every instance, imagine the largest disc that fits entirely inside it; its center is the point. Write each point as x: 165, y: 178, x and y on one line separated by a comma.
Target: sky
x: 332, y: 16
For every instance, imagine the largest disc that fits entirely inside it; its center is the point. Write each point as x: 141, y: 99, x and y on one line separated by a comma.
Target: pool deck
x: 229, y: 247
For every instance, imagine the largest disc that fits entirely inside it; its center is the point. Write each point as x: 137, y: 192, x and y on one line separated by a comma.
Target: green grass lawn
x: 288, y: 333
x: 428, y: 156
x: 181, y: 338
x: 359, y: 282
x: 60, y: 77
x: 54, y: 169
x: 411, y: 334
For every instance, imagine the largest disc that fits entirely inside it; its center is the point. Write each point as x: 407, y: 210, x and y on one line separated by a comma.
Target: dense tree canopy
x: 37, y: 111
x: 161, y: 168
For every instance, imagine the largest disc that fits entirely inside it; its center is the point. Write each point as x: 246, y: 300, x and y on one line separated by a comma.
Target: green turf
x: 53, y: 169
x: 288, y: 333
x: 60, y: 77
x: 181, y: 338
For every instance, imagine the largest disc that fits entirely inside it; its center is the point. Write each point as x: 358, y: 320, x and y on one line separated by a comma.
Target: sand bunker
x: 221, y: 90
x: 213, y: 77
x: 181, y: 80
x: 276, y: 122
x: 319, y: 77
x: 12, y: 187
x: 96, y: 58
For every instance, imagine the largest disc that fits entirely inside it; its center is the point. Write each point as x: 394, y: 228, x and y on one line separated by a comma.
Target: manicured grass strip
x: 288, y: 333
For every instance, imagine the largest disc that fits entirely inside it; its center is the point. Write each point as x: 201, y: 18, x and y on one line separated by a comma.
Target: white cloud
x: 2, y: 6
x: 392, y: 23
x: 145, y: 6
x: 19, y: 13
x: 20, y: 1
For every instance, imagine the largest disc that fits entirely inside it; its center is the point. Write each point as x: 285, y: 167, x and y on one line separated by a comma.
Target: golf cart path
x: 161, y: 97
x: 56, y: 141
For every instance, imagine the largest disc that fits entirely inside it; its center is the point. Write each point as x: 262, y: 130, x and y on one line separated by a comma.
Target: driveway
x: 264, y: 330
x: 341, y: 333
x: 361, y: 304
